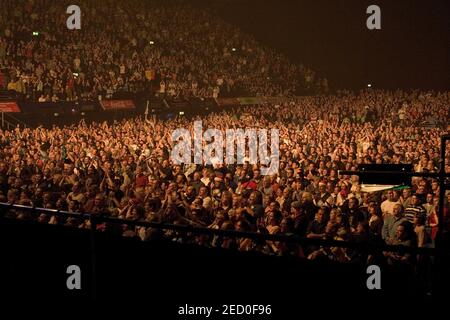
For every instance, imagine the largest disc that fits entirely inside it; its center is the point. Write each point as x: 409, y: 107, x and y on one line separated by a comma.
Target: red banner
x: 117, y: 104
x: 9, y: 107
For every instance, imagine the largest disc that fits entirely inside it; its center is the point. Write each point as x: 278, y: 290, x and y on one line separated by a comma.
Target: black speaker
x: 396, y: 174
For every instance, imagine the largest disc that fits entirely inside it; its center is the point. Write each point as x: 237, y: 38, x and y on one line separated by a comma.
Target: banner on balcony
x: 117, y: 104
x: 9, y: 106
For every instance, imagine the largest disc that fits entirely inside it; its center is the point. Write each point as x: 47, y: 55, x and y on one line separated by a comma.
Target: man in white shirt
x: 387, y: 206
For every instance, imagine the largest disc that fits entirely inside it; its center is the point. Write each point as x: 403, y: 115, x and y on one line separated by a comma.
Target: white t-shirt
x: 388, y: 206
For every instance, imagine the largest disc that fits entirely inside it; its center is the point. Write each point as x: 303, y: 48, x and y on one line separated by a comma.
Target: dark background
x: 410, y: 51
x: 165, y: 275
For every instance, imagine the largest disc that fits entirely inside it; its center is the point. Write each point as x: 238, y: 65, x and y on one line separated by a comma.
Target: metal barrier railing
x: 96, y: 219
x: 10, y: 122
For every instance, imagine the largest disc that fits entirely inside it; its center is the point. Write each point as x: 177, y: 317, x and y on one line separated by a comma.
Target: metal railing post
x: 93, y: 227
x: 442, y: 176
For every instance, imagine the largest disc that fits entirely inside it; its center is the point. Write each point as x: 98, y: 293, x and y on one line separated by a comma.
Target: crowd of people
x: 124, y: 169
x: 171, y: 49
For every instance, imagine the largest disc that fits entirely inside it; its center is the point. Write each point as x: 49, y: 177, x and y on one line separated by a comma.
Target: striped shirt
x: 412, y: 211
